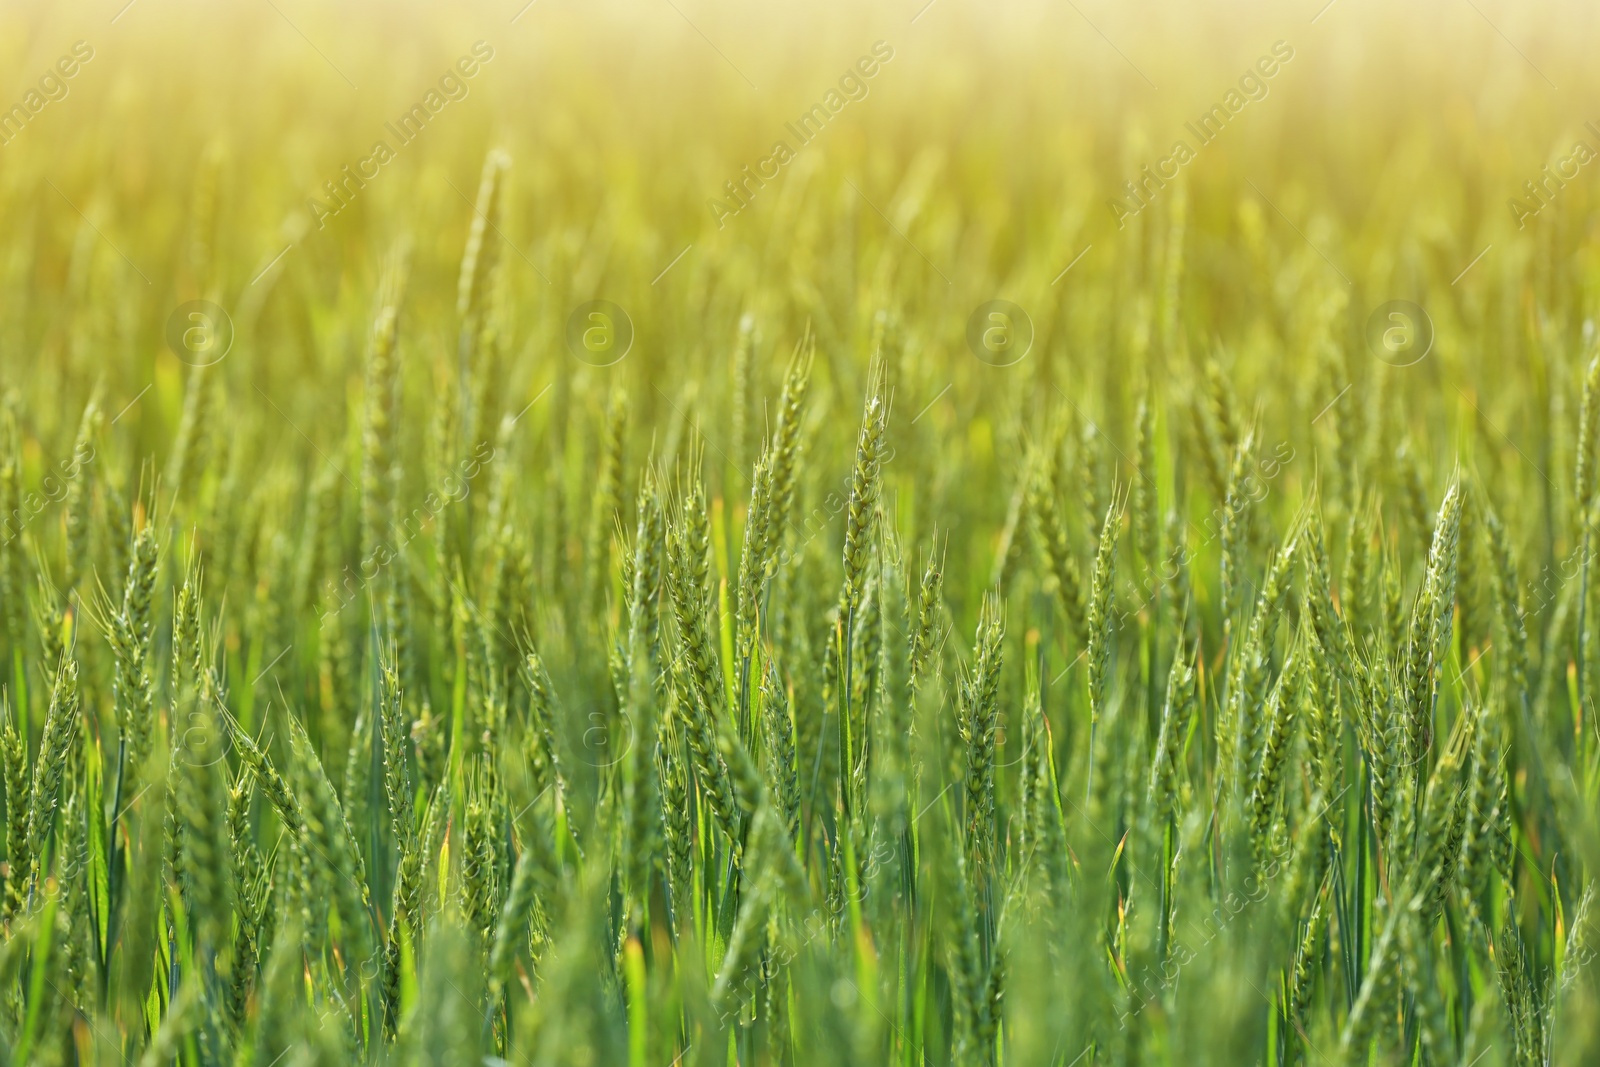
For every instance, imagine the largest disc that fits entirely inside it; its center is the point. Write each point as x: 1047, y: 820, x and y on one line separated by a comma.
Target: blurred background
x: 1375, y: 164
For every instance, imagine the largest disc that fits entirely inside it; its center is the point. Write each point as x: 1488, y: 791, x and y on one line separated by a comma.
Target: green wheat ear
x: 865, y: 486
x: 925, y: 627
x: 1430, y: 625
x: 202, y: 804
x: 1236, y: 520
x: 76, y: 519
x: 1043, y: 506
x: 1176, y: 711
x: 14, y: 754
x: 130, y: 629
x: 1267, y: 783
x: 1098, y: 622
x: 696, y: 676
x: 1239, y: 725
x: 61, y: 725
x: 979, y: 710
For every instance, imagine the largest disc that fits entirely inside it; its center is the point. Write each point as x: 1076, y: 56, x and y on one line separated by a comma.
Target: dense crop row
x: 419, y: 657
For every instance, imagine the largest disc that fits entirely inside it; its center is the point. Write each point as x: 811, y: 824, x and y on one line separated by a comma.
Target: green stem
x: 1583, y: 604
x: 114, y: 869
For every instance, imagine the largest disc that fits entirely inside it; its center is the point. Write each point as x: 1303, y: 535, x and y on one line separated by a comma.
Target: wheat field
x: 686, y: 533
